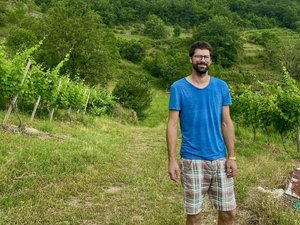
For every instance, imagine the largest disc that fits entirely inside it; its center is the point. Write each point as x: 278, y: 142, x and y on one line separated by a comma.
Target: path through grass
x: 106, y: 172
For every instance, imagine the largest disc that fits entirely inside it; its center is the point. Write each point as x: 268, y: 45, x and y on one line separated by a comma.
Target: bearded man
x: 207, y: 162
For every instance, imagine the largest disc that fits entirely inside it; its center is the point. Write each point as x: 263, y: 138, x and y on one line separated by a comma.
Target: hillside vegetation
x: 96, y: 89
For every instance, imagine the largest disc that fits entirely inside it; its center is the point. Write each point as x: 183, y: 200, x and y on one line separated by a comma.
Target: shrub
x: 20, y: 39
x: 132, y: 50
x: 101, y: 102
x: 176, y: 67
x: 155, y: 27
x: 168, y: 67
x: 133, y: 92
x: 155, y: 64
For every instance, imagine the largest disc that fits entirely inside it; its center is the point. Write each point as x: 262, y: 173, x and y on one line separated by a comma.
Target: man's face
x: 201, y: 61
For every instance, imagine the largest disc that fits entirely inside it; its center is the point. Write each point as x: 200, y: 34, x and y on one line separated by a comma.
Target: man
x: 208, y: 165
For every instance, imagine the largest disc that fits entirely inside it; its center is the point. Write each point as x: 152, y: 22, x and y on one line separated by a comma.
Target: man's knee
x: 227, y: 215
x: 193, y: 219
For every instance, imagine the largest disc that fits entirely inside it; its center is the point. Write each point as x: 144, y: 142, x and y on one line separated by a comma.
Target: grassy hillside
x: 98, y: 171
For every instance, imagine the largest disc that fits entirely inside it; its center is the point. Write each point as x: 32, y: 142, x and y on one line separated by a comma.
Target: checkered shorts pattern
x: 199, y: 177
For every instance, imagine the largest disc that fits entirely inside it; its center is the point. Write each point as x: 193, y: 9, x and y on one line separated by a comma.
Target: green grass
x: 251, y: 49
x: 105, y: 172
x: 158, y: 111
x: 101, y: 173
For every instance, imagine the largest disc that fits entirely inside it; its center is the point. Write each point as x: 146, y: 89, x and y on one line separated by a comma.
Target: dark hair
x: 200, y: 45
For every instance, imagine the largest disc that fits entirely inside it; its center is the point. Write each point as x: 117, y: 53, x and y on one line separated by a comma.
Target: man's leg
x: 195, y: 180
x: 226, y: 217
x: 193, y: 219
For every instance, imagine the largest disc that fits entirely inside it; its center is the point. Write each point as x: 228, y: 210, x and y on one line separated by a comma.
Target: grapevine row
x: 271, y: 106
x: 47, y: 89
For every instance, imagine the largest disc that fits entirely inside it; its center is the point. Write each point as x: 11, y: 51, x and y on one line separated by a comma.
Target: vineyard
x: 26, y: 83
x: 270, y: 107
x: 273, y: 107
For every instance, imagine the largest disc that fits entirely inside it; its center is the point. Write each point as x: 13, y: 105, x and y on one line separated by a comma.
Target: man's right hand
x: 174, y: 171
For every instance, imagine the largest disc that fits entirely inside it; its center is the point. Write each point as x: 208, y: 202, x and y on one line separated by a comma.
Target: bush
x: 168, y: 67
x: 155, y: 27
x: 137, y: 28
x: 101, y: 102
x: 263, y: 38
x: 176, y: 67
x: 133, y: 92
x: 132, y: 50
x: 20, y: 39
x: 155, y: 64
x: 3, y: 20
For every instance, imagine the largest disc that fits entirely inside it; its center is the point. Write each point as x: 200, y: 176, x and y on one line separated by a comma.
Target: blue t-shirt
x: 200, y: 111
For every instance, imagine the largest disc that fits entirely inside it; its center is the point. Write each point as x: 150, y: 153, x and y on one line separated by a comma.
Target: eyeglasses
x: 200, y: 57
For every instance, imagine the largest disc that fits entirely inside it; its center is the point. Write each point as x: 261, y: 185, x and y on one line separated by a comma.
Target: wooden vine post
x: 52, y: 111
x: 35, y: 108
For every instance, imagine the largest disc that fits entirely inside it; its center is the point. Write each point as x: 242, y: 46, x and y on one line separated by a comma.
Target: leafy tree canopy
x: 155, y: 27
x: 224, y: 38
x: 72, y: 25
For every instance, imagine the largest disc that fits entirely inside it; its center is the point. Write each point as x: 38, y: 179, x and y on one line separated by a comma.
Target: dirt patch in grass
x: 28, y: 130
x: 113, y: 190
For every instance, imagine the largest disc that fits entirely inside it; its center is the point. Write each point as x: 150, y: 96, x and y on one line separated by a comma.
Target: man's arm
x: 171, y: 136
x: 228, y: 135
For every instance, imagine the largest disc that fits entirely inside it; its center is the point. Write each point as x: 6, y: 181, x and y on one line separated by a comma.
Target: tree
x: 72, y: 25
x: 155, y: 27
x: 105, y: 9
x: 133, y: 92
x: 224, y: 38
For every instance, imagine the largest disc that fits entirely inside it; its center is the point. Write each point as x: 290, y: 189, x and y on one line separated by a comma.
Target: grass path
x: 105, y: 174
x: 110, y: 173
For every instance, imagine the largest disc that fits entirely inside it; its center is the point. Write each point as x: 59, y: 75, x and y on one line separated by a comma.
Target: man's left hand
x: 231, y: 168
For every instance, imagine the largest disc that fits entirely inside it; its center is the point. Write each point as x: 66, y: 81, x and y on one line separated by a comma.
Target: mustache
x: 205, y: 64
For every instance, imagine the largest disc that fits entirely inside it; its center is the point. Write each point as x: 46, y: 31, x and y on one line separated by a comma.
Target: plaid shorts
x: 199, y: 177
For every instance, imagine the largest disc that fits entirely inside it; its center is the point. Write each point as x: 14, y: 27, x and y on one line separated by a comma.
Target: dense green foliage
x: 70, y: 25
x: 251, y: 13
x: 133, y: 92
x: 285, y: 13
x: 169, y: 67
x: 54, y: 89
x: 155, y: 27
x: 221, y: 33
x: 275, y: 106
x: 132, y: 50
x: 20, y: 39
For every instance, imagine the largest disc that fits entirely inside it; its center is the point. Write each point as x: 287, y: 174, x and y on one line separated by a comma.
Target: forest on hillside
x: 89, y: 28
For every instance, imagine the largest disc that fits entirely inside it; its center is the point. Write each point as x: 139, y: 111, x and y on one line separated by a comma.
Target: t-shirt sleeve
x: 226, y: 95
x: 174, y: 101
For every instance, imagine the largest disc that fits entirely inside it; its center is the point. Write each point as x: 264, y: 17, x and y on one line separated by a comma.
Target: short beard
x: 200, y: 72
